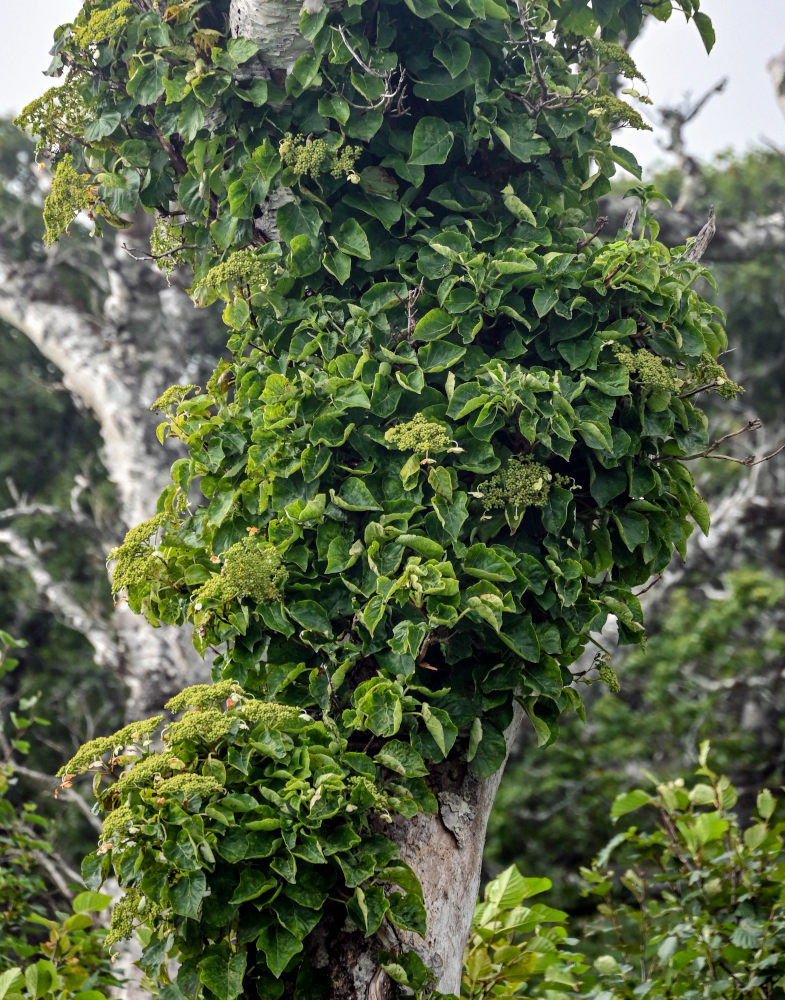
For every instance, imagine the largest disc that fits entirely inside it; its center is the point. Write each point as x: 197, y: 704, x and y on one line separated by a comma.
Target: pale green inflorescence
x: 189, y: 786
x: 711, y: 373
x: 250, y: 569
x: 128, y: 911
x: 311, y: 157
x: 202, y: 696
x: 243, y: 267
x: 70, y: 194
x: 135, y: 732
x: 269, y: 712
x: 173, y: 396
x: 135, y: 561
x: 422, y: 436
x: 105, y: 25
x: 116, y: 822
x: 86, y: 755
x: 521, y: 483
x: 651, y: 370
x: 207, y: 726
x: 145, y: 771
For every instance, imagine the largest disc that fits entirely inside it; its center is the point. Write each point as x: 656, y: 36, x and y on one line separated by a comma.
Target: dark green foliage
x: 446, y: 444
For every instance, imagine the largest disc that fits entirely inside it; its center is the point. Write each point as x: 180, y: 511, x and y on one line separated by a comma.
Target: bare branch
x: 68, y: 794
x: 60, y: 602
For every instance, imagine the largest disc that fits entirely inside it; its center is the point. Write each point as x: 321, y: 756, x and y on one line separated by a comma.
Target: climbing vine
x: 444, y: 449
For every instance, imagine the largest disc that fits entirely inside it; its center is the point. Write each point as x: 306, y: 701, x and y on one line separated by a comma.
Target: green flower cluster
x: 612, y: 52
x: 311, y: 157
x: 70, y: 194
x: 145, y: 770
x: 130, y: 910
x: 617, y: 112
x: 207, y: 726
x: 117, y: 822
x: 87, y: 755
x: 651, y: 370
x: 607, y: 675
x: 165, y: 241
x: 59, y: 111
x: 243, y: 267
x: 189, y: 786
x: 172, y: 397
x: 135, y: 732
x: 105, y: 25
x: 270, y: 713
x: 250, y: 569
x: 135, y: 561
x: 423, y: 437
x: 202, y: 696
x: 711, y: 373
x: 521, y: 483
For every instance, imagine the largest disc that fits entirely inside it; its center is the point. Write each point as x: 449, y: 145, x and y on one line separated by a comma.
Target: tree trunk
x: 115, y: 365
x: 445, y: 851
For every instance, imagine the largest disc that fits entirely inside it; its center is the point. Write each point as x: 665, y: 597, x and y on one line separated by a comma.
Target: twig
x: 749, y: 461
x: 649, y: 585
x: 65, y: 793
x: 132, y: 251
x: 601, y: 223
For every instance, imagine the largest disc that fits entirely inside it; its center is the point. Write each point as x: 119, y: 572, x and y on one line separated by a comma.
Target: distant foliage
x: 694, y: 909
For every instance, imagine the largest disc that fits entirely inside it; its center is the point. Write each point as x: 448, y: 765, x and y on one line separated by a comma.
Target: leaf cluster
x: 251, y: 821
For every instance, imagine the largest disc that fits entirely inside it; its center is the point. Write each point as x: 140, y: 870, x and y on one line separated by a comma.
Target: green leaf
x: 279, y: 946
x: 629, y: 801
x: 241, y: 49
x: 355, y: 495
x: 222, y: 971
x: 487, y: 563
x: 102, y: 127
x: 146, y: 83
x: 351, y: 239
x: 310, y: 615
x: 368, y: 907
x: 453, y: 53
x: 187, y: 893
x: 545, y: 299
x: 517, y: 135
x: 85, y: 901
x: 705, y: 29
x: 434, y: 324
x: 490, y: 749
x: 10, y: 980
x: 431, y: 142
x: 401, y: 758
x: 510, y: 888
x: 766, y: 804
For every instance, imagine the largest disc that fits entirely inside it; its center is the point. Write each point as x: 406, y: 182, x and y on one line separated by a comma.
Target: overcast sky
x: 671, y: 57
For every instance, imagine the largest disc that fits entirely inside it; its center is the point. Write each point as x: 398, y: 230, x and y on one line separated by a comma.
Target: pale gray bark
x: 274, y: 24
x: 115, y: 365
x: 776, y: 69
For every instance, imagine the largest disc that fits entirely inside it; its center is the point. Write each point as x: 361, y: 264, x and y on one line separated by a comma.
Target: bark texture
x: 115, y: 360
x: 445, y: 851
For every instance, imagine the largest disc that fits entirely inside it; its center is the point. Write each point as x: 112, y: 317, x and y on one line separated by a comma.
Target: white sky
x: 671, y: 57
